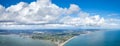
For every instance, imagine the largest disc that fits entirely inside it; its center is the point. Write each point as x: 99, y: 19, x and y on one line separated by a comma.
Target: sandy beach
x: 62, y: 44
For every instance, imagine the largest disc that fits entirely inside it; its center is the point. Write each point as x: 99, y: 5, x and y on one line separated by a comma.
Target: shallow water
x: 98, y: 38
x: 15, y: 40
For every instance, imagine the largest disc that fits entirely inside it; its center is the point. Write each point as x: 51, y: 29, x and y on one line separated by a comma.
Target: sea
x: 92, y: 38
x: 97, y: 38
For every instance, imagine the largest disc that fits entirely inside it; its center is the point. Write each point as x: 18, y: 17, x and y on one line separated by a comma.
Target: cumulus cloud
x: 40, y: 11
x: 43, y: 13
x: 2, y: 9
x: 86, y: 21
x: 73, y: 9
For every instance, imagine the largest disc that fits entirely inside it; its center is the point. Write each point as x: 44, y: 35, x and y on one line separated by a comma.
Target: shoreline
x: 62, y: 44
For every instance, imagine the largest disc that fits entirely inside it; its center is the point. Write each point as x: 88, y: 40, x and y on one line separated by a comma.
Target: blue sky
x: 59, y: 13
x: 92, y: 6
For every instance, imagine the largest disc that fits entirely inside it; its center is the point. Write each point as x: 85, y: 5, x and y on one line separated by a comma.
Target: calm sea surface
x: 97, y: 38
x: 15, y: 40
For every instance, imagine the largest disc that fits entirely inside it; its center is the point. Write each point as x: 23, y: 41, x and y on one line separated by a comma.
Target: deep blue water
x: 97, y: 38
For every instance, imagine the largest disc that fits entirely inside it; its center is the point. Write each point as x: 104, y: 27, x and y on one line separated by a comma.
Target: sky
x: 40, y: 14
x: 108, y: 6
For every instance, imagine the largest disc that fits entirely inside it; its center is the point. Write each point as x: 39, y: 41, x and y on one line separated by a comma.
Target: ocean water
x: 97, y: 38
x: 15, y: 40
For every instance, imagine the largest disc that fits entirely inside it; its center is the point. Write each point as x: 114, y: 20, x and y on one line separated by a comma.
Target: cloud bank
x: 45, y: 14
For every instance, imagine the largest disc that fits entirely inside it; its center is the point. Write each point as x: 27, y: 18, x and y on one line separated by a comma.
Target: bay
x: 98, y: 38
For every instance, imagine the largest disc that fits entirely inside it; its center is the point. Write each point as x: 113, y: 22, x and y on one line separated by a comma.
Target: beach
x: 62, y: 44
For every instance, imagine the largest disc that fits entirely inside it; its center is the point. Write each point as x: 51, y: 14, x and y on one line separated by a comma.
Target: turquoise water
x: 98, y: 38
x: 15, y: 40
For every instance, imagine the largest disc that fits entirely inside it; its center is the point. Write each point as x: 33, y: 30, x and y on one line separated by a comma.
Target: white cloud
x: 42, y: 10
x: 82, y: 14
x: 86, y: 21
x: 16, y: 8
x: 2, y: 9
x: 47, y: 26
x: 47, y: 13
x: 73, y: 9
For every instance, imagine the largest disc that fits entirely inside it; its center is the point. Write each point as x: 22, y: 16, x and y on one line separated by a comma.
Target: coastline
x: 62, y: 44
